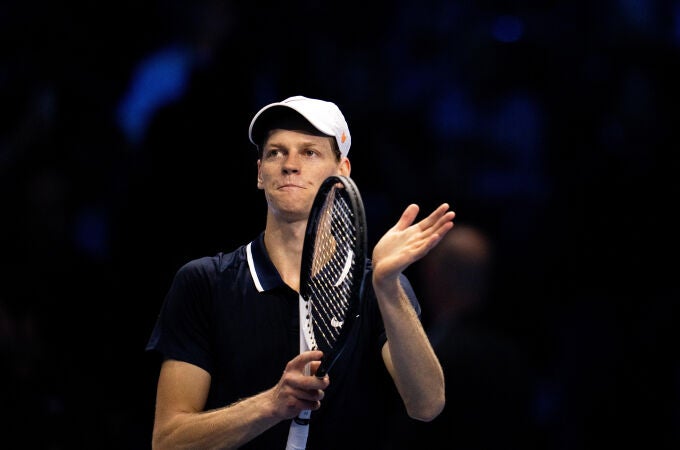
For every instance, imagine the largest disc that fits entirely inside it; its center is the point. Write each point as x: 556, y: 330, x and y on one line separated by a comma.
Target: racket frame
x: 351, y: 193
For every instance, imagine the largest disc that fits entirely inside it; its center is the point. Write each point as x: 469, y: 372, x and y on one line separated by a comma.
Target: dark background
x: 551, y: 125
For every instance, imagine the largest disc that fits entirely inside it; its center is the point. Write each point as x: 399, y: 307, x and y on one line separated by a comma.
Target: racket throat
x: 307, y: 341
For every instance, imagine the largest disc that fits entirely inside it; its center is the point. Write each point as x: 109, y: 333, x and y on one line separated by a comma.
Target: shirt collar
x: 265, y: 276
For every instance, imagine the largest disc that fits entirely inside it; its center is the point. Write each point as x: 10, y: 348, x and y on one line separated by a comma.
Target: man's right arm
x: 180, y: 421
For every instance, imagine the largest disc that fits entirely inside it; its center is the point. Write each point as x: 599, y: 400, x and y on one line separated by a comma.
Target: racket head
x: 333, y: 266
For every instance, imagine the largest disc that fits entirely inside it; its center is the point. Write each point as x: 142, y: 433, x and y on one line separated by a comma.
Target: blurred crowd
x: 549, y: 126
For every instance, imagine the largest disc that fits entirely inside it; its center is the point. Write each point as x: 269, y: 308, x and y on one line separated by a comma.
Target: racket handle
x: 297, y: 436
x: 303, y: 417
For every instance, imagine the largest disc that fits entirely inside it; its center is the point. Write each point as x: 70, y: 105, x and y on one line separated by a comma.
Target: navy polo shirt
x: 232, y: 315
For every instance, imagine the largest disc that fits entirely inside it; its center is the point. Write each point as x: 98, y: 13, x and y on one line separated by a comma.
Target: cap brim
x: 276, y: 113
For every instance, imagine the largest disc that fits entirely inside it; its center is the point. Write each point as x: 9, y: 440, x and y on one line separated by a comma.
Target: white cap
x: 324, y: 116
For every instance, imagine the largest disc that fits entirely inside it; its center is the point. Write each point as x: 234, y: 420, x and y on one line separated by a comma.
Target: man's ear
x: 259, y: 175
x: 345, y: 166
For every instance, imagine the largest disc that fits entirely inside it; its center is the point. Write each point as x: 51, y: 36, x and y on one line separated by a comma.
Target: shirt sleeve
x: 183, y: 327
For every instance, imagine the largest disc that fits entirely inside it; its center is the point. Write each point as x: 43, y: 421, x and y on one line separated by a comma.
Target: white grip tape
x: 297, y: 436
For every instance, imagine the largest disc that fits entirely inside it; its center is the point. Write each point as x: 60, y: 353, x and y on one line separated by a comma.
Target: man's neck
x: 284, y: 242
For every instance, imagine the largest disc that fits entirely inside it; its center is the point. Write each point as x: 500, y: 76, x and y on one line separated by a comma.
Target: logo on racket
x: 336, y: 323
x: 345, y: 269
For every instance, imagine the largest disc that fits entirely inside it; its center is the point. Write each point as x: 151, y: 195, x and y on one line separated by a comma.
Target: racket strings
x: 332, y: 278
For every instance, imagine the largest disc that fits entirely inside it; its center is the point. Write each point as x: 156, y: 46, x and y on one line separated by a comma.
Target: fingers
x: 407, y: 242
x: 313, y: 366
x: 436, y: 225
x: 305, y: 363
x: 438, y: 218
x: 298, y: 389
x: 304, y: 358
x: 407, y: 217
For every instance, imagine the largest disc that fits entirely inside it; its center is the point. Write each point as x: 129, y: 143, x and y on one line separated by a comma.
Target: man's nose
x: 291, y: 164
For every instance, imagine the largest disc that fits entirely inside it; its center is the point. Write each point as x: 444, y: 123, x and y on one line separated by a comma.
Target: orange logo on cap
x: 343, y: 138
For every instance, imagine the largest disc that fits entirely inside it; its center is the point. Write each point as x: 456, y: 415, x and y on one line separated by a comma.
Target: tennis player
x: 232, y: 375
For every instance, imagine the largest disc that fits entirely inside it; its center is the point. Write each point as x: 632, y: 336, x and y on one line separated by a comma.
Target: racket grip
x: 297, y: 436
x: 303, y: 417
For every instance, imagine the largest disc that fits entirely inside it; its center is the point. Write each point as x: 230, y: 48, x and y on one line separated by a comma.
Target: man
x: 232, y: 374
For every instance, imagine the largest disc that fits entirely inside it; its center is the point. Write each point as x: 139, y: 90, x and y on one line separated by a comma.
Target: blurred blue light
x: 507, y: 29
x: 452, y: 114
x: 676, y: 23
x: 639, y: 13
x: 158, y: 80
x: 92, y: 233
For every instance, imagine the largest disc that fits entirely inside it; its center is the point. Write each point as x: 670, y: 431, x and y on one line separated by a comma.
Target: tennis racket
x: 331, y: 279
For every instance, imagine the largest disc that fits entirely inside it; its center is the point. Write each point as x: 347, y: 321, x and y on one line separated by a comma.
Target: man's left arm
x: 409, y: 357
x: 408, y: 354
